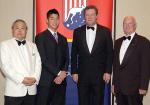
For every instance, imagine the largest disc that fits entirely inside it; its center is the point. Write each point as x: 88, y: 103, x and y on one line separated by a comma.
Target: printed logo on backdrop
x: 73, y: 13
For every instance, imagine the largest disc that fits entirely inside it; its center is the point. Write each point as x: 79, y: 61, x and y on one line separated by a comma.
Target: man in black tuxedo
x: 131, y: 67
x: 91, y: 58
x: 53, y: 49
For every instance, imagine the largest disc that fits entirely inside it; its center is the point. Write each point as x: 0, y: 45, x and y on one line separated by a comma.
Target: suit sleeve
x: 114, y: 63
x: 74, y: 54
x: 6, y: 65
x: 41, y: 48
x: 109, y: 51
x: 145, y: 65
x: 37, y: 65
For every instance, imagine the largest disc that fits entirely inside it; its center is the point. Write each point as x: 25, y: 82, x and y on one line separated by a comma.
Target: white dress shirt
x: 24, y: 54
x: 90, y: 37
x: 124, y: 47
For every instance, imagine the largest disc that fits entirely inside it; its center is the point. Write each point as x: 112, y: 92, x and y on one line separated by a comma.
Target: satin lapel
x: 118, y: 50
x: 30, y: 51
x: 83, y: 35
x: 97, y: 38
x: 129, y: 51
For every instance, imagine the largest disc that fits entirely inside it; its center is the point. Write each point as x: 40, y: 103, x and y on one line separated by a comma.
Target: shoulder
x: 103, y: 28
x: 80, y: 28
x: 7, y: 42
x: 42, y: 34
x: 31, y: 45
x: 62, y: 37
x: 142, y: 41
x: 141, y: 38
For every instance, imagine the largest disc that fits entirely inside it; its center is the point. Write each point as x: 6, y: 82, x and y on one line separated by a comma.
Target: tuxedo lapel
x: 97, y: 37
x: 29, y: 51
x: 118, y: 47
x: 129, y: 51
x: 83, y: 34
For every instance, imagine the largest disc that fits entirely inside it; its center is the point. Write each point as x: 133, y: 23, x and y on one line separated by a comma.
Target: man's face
x: 129, y: 25
x: 90, y: 17
x: 19, y: 30
x: 53, y: 22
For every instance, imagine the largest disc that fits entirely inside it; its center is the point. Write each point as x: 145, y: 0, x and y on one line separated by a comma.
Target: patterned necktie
x: 55, y: 36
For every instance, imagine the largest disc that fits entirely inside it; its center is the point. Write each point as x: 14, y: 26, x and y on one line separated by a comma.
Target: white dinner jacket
x: 15, y: 69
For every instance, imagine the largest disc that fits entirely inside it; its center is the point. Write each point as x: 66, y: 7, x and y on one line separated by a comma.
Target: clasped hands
x: 29, y: 81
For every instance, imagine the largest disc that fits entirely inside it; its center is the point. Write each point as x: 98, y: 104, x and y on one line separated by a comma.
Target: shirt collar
x: 52, y: 31
x: 132, y: 35
x: 95, y: 26
x: 18, y: 39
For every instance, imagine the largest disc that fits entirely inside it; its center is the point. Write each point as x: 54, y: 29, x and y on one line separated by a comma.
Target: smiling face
x: 53, y: 22
x: 19, y: 30
x: 90, y: 17
x: 129, y: 25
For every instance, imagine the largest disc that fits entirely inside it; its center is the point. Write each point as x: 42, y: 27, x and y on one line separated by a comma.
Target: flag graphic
x: 71, y: 14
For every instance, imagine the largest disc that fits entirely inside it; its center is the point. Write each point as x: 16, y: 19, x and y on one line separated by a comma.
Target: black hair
x: 91, y: 7
x: 52, y: 11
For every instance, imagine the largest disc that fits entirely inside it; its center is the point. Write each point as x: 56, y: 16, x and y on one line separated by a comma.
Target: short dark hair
x: 52, y: 11
x: 91, y: 7
x: 19, y: 20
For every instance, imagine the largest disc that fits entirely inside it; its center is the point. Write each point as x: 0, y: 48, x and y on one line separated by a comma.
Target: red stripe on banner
x: 42, y: 6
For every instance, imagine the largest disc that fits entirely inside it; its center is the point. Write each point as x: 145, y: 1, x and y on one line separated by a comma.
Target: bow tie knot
x: 129, y: 37
x: 21, y: 42
x: 88, y: 27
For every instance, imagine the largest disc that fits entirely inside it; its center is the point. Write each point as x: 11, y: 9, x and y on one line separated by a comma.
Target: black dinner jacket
x: 91, y: 66
x: 54, y: 55
x: 134, y: 71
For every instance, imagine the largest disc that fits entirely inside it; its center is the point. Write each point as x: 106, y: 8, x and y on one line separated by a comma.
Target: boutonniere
x: 33, y: 52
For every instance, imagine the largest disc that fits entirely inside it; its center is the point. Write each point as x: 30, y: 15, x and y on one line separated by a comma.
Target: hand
x: 28, y: 81
x: 62, y: 74
x: 106, y: 77
x: 75, y: 77
x: 112, y: 90
x: 58, y: 80
x: 142, y: 92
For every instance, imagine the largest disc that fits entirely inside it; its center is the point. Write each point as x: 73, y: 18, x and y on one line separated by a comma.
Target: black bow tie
x: 21, y: 42
x: 88, y: 27
x: 129, y: 37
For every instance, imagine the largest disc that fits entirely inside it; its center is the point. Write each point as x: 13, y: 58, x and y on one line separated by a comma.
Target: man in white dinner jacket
x: 21, y: 65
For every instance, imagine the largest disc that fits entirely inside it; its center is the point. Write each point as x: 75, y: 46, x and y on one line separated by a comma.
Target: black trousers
x: 135, y: 99
x: 26, y: 100
x: 51, y: 95
x: 90, y: 94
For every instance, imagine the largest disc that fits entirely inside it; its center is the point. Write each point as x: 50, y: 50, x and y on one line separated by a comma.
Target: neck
x: 54, y: 30
x: 91, y: 25
x: 20, y: 39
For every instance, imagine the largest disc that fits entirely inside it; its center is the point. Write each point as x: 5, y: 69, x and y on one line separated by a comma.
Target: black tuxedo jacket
x: 91, y: 66
x: 54, y: 55
x: 134, y: 72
